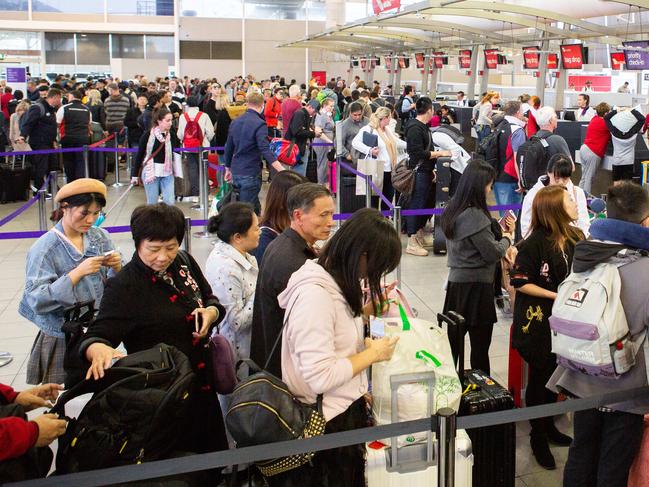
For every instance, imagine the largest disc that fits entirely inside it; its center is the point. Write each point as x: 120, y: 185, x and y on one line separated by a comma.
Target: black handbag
x: 263, y: 410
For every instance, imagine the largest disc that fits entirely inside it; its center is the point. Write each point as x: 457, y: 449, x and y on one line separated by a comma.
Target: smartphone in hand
x: 502, y: 221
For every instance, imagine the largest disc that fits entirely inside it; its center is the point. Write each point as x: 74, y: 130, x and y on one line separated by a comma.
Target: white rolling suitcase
x: 415, y: 464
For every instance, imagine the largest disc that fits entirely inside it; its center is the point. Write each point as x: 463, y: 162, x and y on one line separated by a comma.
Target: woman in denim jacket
x: 67, y: 265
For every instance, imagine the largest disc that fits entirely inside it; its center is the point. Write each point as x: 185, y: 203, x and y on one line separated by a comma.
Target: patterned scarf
x: 148, y: 172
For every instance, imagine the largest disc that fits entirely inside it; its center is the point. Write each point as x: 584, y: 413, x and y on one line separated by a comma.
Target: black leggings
x: 537, y: 394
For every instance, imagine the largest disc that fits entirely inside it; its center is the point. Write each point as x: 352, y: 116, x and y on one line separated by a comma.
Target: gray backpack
x: 589, y: 330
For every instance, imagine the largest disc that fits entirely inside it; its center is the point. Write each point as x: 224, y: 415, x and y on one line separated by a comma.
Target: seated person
x: 161, y: 296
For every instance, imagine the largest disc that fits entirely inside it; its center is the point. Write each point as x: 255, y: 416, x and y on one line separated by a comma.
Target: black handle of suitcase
x: 451, y: 318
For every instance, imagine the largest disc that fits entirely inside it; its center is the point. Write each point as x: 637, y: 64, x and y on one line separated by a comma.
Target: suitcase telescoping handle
x: 451, y: 318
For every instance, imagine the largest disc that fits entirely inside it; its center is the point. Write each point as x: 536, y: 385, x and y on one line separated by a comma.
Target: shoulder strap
x: 187, y: 119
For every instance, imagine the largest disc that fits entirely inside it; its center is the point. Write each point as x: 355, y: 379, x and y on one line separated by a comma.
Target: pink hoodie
x: 320, y: 334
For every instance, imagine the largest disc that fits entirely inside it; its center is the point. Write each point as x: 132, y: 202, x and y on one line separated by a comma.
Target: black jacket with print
x: 538, y: 262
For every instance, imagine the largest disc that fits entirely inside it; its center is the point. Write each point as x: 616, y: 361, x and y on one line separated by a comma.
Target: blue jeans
x: 603, y: 448
x: 248, y: 188
x: 506, y: 194
x: 482, y: 131
x: 164, y: 186
x: 421, y: 198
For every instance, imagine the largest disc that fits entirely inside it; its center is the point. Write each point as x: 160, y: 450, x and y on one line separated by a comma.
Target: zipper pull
x: 140, y: 456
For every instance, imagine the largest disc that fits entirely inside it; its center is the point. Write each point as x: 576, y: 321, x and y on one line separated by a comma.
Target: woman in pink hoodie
x: 323, y: 346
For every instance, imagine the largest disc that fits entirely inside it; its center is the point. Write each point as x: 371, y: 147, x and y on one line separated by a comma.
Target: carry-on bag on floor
x: 183, y: 186
x: 517, y: 375
x: 349, y: 202
x: 442, y: 188
x: 494, y: 447
x: 414, y: 465
x: 14, y: 181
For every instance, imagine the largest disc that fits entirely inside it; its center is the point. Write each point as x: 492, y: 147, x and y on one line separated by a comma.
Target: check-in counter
x: 571, y: 131
x: 641, y: 152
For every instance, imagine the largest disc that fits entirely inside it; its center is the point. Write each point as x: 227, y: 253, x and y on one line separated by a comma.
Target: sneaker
x: 424, y: 239
x: 415, y: 248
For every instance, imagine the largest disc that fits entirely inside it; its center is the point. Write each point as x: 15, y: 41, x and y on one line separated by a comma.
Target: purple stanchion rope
x: 41, y: 151
x: 26, y: 206
x: 374, y: 187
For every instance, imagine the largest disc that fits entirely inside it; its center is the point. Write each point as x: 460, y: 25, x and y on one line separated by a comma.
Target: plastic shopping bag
x: 422, y: 347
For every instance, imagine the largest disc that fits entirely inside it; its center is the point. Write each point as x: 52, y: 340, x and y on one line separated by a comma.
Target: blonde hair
x: 94, y: 97
x: 489, y: 96
x: 221, y: 101
x: 387, y: 137
x: 23, y: 106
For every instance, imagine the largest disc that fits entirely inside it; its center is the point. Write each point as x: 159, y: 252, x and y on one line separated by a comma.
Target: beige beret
x: 81, y: 186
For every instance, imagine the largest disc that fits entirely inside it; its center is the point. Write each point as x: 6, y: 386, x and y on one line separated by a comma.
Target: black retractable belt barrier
x: 253, y: 454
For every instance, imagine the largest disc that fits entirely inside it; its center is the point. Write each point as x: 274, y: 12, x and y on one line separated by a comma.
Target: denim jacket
x: 48, y: 288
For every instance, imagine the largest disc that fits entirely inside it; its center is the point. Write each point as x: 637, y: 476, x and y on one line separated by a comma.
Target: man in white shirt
x: 461, y: 101
x: 443, y: 140
x: 560, y: 169
x: 588, y: 86
x: 585, y: 112
x: 624, y: 88
x: 354, y: 84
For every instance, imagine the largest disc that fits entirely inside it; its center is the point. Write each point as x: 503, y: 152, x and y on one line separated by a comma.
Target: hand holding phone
x: 508, y: 221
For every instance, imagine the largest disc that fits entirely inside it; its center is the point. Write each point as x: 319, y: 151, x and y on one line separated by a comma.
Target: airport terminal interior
x: 574, y: 57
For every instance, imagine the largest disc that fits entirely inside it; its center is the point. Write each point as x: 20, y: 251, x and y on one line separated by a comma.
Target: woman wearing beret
x: 67, y: 265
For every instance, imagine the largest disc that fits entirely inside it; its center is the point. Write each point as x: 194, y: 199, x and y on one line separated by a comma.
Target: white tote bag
x: 177, y: 162
x: 422, y: 347
x: 372, y: 167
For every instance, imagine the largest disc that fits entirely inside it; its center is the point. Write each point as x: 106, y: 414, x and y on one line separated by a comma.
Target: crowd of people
x: 279, y: 269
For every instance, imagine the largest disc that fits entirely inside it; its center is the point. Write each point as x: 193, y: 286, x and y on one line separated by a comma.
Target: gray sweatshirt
x: 474, y: 251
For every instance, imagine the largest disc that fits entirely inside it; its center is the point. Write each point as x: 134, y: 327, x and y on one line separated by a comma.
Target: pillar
x: 543, y: 69
x: 393, y: 73
x: 639, y: 83
x: 432, y: 91
x: 397, y: 78
x: 484, y: 79
x: 470, y: 89
x: 424, y: 77
x: 560, y: 89
x: 368, y: 70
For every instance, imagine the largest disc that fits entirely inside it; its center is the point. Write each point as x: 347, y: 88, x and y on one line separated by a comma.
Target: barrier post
x: 202, y: 166
x: 42, y: 218
x: 368, y: 191
x: 396, y: 221
x: 339, y: 177
x: 128, y: 154
x: 86, y: 164
x: 54, y: 186
x: 116, y: 184
x: 202, y: 181
x: 446, y: 426
x: 187, y: 239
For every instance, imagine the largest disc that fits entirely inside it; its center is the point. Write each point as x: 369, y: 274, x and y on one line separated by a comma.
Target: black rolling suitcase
x: 312, y: 167
x: 442, y: 188
x: 14, y: 181
x: 349, y: 202
x: 494, y: 447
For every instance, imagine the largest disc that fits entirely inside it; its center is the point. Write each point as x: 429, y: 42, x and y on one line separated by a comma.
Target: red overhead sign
x: 383, y: 5
x: 618, y: 61
x: 388, y: 63
x: 531, y: 57
x: 553, y: 61
x: 320, y: 77
x: 363, y: 64
x: 572, y: 56
x: 465, y: 59
x: 491, y: 58
x: 419, y: 58
x: 439, y: 59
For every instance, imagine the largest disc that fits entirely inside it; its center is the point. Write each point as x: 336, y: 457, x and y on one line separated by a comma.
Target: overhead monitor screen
x: 419, y: 58
x: 617, y: 61
x: 572, y: 56
x: 531, y: 57
x: 491, y: 58
x: 465, y: 59
x: 635, y: 59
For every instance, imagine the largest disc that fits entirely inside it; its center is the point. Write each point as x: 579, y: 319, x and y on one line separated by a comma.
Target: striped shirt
x: 116, y: 108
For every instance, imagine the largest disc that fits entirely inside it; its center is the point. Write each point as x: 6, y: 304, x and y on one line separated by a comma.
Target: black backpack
x: 138, y: 412
x: 532, y: 160
x: 490, y: 148
x: 399, y: 106
x: 77, y: 319
x: 263, y: 410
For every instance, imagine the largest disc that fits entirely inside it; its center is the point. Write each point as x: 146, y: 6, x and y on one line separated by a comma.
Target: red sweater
x: 272, y: 111
x: 289, y: 107
x: 532, y: 127
x: 597, y: 136
x: 16, y: 435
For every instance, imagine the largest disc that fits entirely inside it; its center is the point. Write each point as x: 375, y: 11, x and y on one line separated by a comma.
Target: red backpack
x: 193, y: 136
